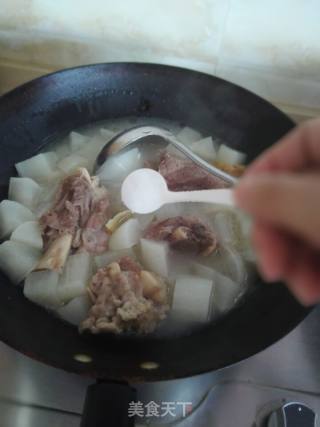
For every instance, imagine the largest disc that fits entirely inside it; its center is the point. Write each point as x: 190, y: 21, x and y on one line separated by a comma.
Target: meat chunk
x: 184, y: 233
x: 185, y: 175
x: 81, y: 209
x: 126, y: 299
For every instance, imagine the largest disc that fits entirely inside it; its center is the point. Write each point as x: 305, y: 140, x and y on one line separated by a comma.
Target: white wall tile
x: 277, y: 36
x: 276, y: 88
x: 271, y: 48
x: 140, y: 29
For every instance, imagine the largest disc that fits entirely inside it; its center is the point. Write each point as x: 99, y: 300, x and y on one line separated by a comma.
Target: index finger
x: 297, y: 151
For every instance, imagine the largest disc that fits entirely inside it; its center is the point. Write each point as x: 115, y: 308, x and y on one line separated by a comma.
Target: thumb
x: 287, y: 201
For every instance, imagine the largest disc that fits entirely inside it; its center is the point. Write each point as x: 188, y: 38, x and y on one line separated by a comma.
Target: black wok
x: 38, y: 112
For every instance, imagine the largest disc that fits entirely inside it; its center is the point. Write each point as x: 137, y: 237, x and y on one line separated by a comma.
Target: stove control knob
x: 293, y: 414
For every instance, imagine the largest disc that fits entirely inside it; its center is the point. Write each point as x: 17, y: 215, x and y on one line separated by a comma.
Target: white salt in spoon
x: 145, y: 190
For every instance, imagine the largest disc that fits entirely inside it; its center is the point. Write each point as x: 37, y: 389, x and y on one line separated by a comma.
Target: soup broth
x: 81, y: 254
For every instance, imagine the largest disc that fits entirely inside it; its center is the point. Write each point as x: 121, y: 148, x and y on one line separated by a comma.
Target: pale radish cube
x: 229, y: 155
x: 76, y: 311
x: 118, y: 166
x: 25, y: 191
x: 72, y: 162
x: 192, y: 297
x: 91, y: 150
x: 12, y: 214
x: 77, y: 141
x: 155, y: 256
x: 47, y: 197
x: 75, y: 277
x: 205, y: 148
x: 28, y: 233
x: 107, y: 133
x: 41, y: 288
x: 111, y: 256
x: 226, y: 225
x: 17, y: 260
x: 62, y: 150
x: 126, y: 236
x: 40, y: 167
x: 226, y: 293
x: 188, y: 135
x: 236, y: 269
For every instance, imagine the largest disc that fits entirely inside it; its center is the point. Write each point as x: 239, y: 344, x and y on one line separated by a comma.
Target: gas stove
x: 282, y: 382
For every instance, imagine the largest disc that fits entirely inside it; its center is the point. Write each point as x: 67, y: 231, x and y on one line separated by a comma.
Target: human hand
x: 281, y: 192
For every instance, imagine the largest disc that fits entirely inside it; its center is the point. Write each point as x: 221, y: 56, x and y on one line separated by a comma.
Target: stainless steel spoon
x: 156, y: 135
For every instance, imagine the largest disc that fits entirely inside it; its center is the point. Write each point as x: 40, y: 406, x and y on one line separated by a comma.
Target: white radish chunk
x: 91, y: 150
x: 205, y: 148
x: 62, y: 150
x: 226, y: 291
x: 46, y: 198
x: 187, y: 135
x: 75, y: 311
x: 192, y: 299
x: 75, y: 277
x: 77, y: 141
x: 72, y: 162
x: 110, y: 256
x: 118, y: 166
x: 228, y: 155
x: 41, y: 287
x: 28, y: 233
x: 40, y: 167
x: 155, y: 256
x: 107, y: 133
x: 204, y: 271
x: 126, y: 236
x: 226, y: 225
x: 12, y: 214
x: 235, y: 265
x: 25, y: 191
x: 17, y: 260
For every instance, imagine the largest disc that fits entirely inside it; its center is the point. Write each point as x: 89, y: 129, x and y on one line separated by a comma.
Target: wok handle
x: 107, y: 404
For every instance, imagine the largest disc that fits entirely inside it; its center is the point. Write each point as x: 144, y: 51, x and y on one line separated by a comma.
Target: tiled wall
x: 272, y: 48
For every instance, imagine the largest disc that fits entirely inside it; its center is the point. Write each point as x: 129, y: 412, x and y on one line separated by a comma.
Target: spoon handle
x: 219, y: 196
